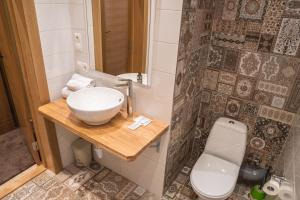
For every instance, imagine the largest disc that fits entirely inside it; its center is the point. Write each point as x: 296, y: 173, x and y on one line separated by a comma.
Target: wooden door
x: 138, y: 31
x: 115, y: 36
x: 15, y: 81
x: 6, y: 116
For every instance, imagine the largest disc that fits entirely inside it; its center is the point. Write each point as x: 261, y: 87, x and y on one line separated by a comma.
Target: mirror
x: 120, y: 37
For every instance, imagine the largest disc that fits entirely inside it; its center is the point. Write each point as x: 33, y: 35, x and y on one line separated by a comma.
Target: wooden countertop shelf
x: 114, y: 136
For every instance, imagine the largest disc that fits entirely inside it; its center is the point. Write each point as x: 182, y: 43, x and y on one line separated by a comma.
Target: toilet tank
x: 227, y: 140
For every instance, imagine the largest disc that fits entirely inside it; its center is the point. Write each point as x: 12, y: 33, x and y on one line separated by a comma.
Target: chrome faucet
x: 128, y: 86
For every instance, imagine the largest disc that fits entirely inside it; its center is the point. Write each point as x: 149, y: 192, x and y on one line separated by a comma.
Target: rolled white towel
x: 88, y: 81
x: 65, y: 92
x: 75, y: 85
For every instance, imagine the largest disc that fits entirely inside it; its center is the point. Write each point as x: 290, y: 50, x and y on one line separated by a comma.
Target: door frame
x: 22, y: 30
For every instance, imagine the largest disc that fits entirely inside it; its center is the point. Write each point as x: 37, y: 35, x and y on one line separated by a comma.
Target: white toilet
x: 215, y: 173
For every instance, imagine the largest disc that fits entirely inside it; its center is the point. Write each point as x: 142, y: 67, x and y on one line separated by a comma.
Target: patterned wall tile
x: 250, y: 46
x: 289, y: 68
x: 233, y: 107
x: 249, y: 121
x: 234, y: 28
x: 254, y: 26
x: 270, y: 68
x: 272, y: 18
x: 205, y: 96
x: 218, y: 103
x: 250, y: 109
x: 293, y: 102
x: 252, y: 37
x: 244, y: 88
x: 276, y: 114
x: 216, y: 57
x: 231, y: 60
x: 288, y: 38
x: 278, y: 102
x: 225, y: 89
x: 257, y: 143
x: 250, y: 64
x: 266, y: 43
x: 234, y: 45
x: 194, y: 60
x: 227, y: 78
x: 229, y: 34
x: 233, y: 41
x: 185, y: 35
x: 273, y: 133
x: 272, y: 88
x: 252, y: 9
x: 200, y: 29
x: 180, y: 72
x: 210, y: 79
x: 230, y: 9
x: 262, y: 98
x: 292, y: 9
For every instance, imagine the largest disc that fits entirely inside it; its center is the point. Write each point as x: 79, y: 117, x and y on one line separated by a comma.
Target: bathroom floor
x: 14, y: 155
x: 79, y: 184
x: 181, y: 189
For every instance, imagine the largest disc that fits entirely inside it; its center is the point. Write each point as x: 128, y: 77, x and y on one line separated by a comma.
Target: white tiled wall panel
x: 168, y: 26
x: 165, y: 57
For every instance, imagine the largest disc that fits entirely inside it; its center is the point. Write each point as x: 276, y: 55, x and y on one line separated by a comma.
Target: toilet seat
x: 213, y: 177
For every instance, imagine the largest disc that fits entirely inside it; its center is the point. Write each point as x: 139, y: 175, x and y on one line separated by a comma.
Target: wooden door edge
x: 23, y: 23
x: 97, y: 32
x: 20, y: 179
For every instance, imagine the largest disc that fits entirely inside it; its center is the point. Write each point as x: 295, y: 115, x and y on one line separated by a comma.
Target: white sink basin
x: 95, y: 106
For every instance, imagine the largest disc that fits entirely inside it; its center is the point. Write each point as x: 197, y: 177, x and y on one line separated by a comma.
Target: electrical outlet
x: 83, y: 66
x: 77, y: 41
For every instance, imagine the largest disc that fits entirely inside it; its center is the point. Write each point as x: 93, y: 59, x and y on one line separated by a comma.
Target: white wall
x: 156, y: 101
x: 57, y: 21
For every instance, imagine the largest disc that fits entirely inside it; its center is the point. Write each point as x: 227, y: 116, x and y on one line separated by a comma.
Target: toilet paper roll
x: 286, y: 191
x: 271, y: 187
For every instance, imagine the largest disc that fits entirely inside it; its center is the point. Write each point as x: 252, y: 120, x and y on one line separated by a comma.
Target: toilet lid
x: 214, y: 177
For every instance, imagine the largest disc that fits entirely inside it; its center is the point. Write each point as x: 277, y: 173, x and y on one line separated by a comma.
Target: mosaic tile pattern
x: 273, y: 133
x: 272, y: 19
x: 244, y: 88
x: 233, y: 108
x: 294, y: 99
x: 288, y: 39
x: 192, y: 61
x: 249, y: 70
x: 80, y: 184
x: 276, y: 114
x: 272, y: 88
x: 230, y: 9
x: 250, y: 64
x: 252, y: 9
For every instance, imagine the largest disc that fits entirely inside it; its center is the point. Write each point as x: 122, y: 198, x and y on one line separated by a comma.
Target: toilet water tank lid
x: 214, y: 177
